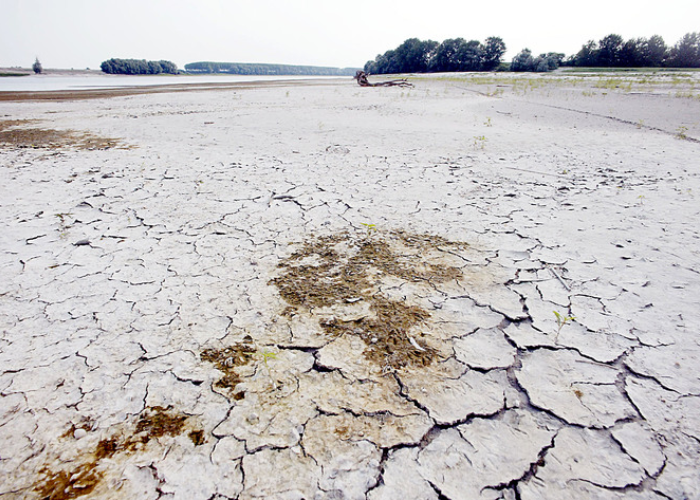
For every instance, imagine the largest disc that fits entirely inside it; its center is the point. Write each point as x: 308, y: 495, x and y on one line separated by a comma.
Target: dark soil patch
x: 330, y: 271
x: 81, y: 480
x: 16, y: 134
x: 227, y: 360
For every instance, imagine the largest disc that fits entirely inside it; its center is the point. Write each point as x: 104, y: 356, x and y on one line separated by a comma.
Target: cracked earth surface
x: 151, y: 348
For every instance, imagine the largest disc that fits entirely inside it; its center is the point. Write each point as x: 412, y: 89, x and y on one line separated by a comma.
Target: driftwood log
x: 362, y: 80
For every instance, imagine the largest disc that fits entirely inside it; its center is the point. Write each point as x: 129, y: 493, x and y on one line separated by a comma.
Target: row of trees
x: 613, y: 51
x: 524, y: 61
x: 428, y: 56
x: 138, y: 67
x: 265, y: 69
x: 457, y: 54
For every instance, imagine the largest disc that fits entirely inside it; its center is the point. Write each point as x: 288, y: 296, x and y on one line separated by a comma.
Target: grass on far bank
x: 584, y: 69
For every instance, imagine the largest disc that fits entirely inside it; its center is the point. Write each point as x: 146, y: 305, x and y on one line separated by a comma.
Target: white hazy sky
x: 83, y: 33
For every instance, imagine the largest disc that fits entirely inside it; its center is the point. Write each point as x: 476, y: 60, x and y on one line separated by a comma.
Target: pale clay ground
x: 574, y: 195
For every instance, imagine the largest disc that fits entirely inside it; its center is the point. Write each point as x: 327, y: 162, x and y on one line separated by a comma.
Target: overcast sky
x: 342, y: 33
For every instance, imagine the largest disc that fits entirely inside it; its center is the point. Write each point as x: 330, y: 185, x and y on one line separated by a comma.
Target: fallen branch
x: 362, y: 80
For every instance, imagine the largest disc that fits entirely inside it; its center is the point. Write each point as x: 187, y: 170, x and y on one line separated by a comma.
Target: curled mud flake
x: 64, y: 485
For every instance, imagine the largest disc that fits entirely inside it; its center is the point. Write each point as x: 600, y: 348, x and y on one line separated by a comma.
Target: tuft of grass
x: 480, y: 141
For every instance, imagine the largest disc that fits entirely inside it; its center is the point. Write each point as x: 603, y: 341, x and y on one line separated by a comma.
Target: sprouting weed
x: 479, y: 141
x: 640, y: 123
x: 265, y: 355
x: 370, y: 229
x: 561, y: 321
x: 681, y: 132
x: 488, y: 122
x: 62, y: 217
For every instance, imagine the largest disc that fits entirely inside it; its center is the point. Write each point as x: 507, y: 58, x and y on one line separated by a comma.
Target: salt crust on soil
x: 122, y: 266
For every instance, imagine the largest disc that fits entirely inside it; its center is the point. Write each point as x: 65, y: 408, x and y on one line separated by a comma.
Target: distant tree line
x: 265, y: 69
x: 613, y: 51
x: 525, y: 61
x: 138, y: 67
x: 457, y: 54
x: 428, y: 56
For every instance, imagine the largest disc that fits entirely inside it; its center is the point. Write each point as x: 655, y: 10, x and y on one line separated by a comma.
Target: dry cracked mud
x: 320, y: 292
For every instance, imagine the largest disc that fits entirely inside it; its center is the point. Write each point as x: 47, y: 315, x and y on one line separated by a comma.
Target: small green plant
x: 488, y: 122
x: 370, y: 229
x: 681, y: 132
x: 479, y: 141
x: 63, y: 224
x: 265, y: 355
x: 561, y: 321
x: 62, y: 217
x: 640, y: 123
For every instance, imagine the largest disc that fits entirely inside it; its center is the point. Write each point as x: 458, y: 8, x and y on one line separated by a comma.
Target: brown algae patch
x: 153, y: 422
x: 227, y: 360
x: 15, y: 133
x: 339, y: 270
x: 63, y: 485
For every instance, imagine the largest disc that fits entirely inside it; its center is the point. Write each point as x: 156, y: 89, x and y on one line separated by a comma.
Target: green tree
x: 36, y: 67
x: 445, y: 59
x: 686, y: 52
x: 453, y: 54
x: 470, y: 56
x: 137, y: 67
x: 654, y: 51
x: 547, y: 62
x: 630, y: 54
x: 610, y: 49
x: 523, y: 61
x: 493, y: 53
x: 588, y: 55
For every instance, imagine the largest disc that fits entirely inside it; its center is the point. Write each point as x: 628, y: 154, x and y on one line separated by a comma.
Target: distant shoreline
x: 99, y: 93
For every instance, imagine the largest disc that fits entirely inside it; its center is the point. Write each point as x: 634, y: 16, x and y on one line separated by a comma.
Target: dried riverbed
x: 481, y: 287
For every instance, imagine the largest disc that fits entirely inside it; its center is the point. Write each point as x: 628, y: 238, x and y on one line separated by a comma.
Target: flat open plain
x: 482, y: 287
